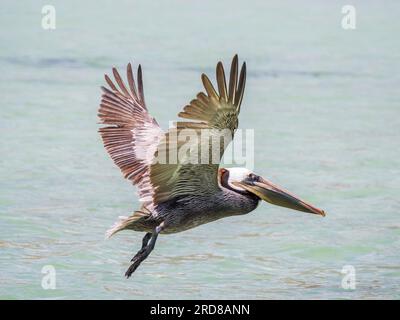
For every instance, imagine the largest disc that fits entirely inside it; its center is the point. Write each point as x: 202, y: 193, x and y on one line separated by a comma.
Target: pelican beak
x: 274, y: 194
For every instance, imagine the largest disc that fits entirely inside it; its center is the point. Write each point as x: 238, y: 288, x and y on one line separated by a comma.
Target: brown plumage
x: 179, y: 195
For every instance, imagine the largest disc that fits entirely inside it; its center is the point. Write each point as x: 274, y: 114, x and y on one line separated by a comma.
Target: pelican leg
x: 145, y: 241
x: 149, y: 241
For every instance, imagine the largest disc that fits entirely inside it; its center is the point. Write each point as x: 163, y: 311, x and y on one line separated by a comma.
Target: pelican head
x: 243, y: 180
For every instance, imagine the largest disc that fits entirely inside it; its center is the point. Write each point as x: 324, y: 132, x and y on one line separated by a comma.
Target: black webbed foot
x: 149, y: 240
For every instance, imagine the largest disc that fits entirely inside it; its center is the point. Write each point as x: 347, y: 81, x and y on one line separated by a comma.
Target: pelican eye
x: 252, y: 177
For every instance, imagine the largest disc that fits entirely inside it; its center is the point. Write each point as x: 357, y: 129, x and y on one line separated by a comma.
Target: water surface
x: 324, y: 103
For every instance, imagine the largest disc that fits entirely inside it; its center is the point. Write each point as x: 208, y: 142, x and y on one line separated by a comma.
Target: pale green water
x: 324, y: 103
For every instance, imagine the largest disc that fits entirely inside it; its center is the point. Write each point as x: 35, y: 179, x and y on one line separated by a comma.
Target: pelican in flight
x: 177, y: 196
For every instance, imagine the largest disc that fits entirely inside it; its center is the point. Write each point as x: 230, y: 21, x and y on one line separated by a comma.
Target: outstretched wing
x: 131, y: 135
x: 214, y: 113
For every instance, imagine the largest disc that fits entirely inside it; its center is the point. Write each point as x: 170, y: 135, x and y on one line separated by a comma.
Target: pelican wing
x: 181, y: 166
x: 131, y: 134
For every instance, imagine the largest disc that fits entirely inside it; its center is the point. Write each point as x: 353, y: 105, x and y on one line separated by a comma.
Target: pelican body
x: 177, y: 196
x: 186, y: 212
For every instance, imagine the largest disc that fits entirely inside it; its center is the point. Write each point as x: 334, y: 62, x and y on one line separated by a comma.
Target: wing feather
x: 131, y: 134
x: 135, y: 142
x: 241, y: 85
x: 221, y: 81
x: 233, y: 80
x: 214, y: 111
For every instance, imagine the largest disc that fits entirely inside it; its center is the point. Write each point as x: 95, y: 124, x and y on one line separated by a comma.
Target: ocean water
x: 324, y: 104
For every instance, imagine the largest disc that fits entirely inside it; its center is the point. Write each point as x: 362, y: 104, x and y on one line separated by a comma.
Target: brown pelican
x: 180, y: 195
